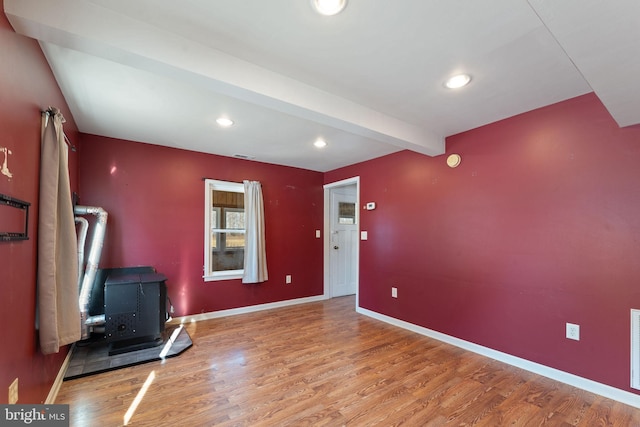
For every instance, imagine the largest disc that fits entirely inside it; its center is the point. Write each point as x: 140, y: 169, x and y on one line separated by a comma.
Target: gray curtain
x: 58, y: 309
x: 255, y: 256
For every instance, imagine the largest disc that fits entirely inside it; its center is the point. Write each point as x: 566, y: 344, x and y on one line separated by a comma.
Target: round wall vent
x: 453, y: 160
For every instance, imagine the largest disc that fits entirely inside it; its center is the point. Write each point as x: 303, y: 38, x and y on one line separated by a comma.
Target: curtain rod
x: 50, y: 112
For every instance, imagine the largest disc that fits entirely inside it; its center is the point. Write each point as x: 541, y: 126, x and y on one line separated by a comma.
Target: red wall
x: 538, y: 226
x: 26, y: 86
x: 155, y: 199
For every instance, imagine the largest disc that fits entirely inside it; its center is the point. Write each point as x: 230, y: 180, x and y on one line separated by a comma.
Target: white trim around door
x: 327, y: 234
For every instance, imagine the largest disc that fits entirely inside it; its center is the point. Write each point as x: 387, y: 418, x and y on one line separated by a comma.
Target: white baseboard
x: 57, y: 383
x: 244, y: 310
x: 604, y: 390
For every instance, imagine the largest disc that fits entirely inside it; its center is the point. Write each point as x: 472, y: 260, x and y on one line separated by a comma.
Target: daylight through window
x: 224, y: 230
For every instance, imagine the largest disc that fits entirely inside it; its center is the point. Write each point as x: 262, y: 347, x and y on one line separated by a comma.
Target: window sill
x: 224, y: 276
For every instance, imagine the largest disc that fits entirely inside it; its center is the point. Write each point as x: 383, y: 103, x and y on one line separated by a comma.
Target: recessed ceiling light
x: 328, y: 7
x: 458, y: 81
x: 224, y: 122
x: 320, y: 143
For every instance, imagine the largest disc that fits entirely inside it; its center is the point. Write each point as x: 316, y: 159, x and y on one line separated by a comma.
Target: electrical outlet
x: 13, y: 392
x: 573, y: 331
x: 287, y: 279
x: 394, y: 292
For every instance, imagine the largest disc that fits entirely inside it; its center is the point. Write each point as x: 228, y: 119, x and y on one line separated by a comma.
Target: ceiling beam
x: 101, y: 32
x: 602, y: 39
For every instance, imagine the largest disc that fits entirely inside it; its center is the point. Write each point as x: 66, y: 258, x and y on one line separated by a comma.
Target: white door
x: 343, y: 241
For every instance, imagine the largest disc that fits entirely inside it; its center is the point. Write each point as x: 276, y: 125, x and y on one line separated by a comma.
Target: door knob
x: 336, y: 247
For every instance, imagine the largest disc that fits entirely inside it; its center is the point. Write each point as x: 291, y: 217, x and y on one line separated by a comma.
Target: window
x: 224, y: 230
x: 346, y: 213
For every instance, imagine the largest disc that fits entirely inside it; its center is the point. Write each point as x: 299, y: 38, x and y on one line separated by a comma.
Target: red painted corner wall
x: 538, y: 226
x: 27, y: 85
x: 155, y: 200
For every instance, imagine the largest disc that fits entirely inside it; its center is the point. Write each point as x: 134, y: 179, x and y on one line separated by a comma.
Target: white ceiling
x: 369, y: 80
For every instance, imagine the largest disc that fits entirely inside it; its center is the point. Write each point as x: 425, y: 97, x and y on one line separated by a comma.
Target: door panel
x: 344, y: 241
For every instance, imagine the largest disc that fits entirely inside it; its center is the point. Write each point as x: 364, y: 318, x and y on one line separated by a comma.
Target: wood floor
x: 322, y: 364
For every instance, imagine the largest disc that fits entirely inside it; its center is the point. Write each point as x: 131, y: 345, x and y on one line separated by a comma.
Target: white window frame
x: 223, y: 212
x: 209, y: 186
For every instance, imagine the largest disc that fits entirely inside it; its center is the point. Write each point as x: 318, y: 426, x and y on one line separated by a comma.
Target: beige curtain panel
x: 255, y: 256
x: 58, y: 309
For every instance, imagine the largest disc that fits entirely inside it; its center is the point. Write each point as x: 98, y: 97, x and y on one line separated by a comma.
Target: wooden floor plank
x: 322, y: 364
